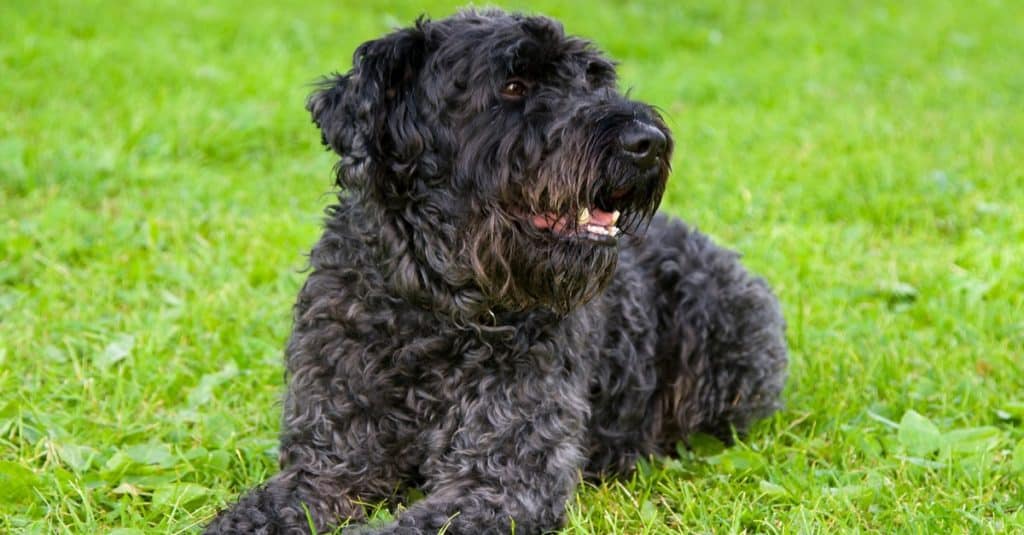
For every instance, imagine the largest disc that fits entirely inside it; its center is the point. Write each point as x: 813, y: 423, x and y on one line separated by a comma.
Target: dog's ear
x: 369, y: 115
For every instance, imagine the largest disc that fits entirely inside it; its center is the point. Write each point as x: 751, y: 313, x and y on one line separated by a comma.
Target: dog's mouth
x: 608, y: 216
x: 611, y: 212
x: 593, y: 224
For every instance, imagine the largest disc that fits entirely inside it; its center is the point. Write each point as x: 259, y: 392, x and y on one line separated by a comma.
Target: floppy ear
x: 369, y: 115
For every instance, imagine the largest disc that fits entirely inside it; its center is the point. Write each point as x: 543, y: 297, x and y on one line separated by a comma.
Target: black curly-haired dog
x: 494, y: 308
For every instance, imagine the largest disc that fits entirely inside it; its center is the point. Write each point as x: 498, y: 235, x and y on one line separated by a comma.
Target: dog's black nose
x: 642, y: 143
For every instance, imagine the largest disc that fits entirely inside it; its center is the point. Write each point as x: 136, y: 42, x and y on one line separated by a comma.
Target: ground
x: 160, y: 183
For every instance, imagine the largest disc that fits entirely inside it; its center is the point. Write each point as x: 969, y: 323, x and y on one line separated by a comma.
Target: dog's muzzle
x: 634, y: 176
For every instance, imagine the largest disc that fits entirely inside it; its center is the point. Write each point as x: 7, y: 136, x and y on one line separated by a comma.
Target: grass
x: 160, y: 182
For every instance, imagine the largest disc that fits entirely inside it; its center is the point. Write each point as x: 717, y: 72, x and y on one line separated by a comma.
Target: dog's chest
x: 451, y: 367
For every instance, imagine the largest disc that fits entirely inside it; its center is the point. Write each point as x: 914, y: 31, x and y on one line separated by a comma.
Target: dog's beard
x: 549, y: 259
x: 519, y: 266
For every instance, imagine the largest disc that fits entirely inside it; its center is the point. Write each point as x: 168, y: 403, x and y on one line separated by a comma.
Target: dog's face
x: 504, y: 145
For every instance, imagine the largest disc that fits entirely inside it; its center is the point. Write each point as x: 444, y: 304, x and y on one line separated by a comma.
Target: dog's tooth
x: 615, y: 216
x: 584, y: 216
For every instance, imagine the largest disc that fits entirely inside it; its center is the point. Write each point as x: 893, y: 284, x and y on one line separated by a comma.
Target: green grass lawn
x: 160, y: 183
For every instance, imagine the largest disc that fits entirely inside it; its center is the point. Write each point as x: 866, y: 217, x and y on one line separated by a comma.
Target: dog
x: 495, y: 308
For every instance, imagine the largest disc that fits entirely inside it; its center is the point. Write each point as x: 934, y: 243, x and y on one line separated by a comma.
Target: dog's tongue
x: 601, y: 218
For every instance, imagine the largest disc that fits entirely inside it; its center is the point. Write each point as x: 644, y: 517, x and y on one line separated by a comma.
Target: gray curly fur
x: 447, y: 342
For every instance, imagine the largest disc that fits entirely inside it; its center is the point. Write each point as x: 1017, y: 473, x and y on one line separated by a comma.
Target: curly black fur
x: 461, y: 332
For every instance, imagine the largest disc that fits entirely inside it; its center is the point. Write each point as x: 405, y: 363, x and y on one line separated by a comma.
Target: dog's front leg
x: 335, y: 454
x: 316, y: 487
x: 511, y: 464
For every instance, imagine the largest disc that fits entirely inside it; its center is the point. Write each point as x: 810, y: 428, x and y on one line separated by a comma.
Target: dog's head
x: 503, y: 144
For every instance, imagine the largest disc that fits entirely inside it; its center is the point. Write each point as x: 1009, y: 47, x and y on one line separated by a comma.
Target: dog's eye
x: 514, y: 89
